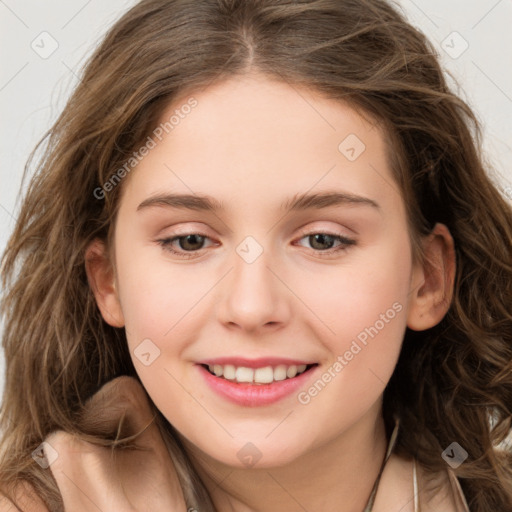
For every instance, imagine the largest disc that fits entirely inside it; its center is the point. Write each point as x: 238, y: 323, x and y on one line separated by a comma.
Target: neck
x: 335, y: 476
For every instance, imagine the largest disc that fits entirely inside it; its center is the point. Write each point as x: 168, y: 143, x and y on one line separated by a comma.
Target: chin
x: 245, y: 454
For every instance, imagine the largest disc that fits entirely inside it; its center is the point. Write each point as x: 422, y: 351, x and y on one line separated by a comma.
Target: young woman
x: 261, y: 268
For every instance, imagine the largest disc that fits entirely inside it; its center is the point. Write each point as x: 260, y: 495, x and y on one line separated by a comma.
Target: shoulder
x: 26, y: 498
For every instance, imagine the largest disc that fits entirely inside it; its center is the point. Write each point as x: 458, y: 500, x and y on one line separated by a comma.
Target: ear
x: 100, y: 275
x: 432, y: 283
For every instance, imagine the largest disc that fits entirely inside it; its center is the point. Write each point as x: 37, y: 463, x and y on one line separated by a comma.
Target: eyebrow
x: 296, y: 203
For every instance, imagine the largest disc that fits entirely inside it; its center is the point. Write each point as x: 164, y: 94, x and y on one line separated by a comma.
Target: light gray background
x: 34, y: 86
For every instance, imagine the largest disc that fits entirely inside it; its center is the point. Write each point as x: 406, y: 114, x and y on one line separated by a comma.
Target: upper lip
x: 254, y: 363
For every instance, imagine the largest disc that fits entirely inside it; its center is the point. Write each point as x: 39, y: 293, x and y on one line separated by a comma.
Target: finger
x: 148, y: 474
x: 120, y: 409
x: 85, y: 474
x: 92, y: 477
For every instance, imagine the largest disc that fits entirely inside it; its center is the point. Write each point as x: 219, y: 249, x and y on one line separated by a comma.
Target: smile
x: 252, y: 383
x: 265, y: 375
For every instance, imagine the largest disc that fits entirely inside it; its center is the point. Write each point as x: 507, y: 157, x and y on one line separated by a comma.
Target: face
x: 302, y: 264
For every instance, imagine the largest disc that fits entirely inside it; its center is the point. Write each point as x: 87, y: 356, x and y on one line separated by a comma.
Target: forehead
x: 252, y: 137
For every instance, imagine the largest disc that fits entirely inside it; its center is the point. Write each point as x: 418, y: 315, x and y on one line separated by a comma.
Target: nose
x: 253, y: 297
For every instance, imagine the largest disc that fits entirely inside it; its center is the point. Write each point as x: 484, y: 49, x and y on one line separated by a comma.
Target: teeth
x: 280, y: 372
x: 264, y: 375
x: 243, y: 374
x: 229, y: 372
x: 291, y: 371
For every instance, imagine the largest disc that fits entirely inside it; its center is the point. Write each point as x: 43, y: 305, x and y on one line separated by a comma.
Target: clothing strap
x: 462, y: 504
x: 391, y: 445
x: 415, y: 487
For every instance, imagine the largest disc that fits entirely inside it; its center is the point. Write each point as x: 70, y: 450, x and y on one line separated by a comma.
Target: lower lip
x: 253, y: 395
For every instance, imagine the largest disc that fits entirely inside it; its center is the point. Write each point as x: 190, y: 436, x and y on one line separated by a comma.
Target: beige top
x: 458, y: 495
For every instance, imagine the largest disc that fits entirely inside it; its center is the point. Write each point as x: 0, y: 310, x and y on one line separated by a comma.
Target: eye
x: 188, y: 244
x: 324, y: 242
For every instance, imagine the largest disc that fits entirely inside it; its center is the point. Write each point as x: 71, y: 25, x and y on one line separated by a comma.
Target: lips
x: 253, y: 382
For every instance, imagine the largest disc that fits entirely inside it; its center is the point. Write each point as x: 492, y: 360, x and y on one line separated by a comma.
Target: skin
x: 252, y: 143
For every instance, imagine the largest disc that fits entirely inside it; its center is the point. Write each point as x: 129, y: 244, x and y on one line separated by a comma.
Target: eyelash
x: 345, y: 244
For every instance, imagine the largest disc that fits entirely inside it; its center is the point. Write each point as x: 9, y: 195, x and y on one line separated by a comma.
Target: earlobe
x: 432, y: 283
x: 100, y: 275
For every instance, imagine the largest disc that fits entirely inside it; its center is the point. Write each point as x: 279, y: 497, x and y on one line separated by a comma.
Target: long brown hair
x: 452, y: 382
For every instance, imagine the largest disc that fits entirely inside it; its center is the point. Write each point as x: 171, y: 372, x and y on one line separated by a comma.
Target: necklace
x: 391, y: 444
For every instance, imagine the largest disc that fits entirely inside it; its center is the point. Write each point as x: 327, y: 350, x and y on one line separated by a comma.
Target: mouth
x: 256, y: 383
x: 257, y: 376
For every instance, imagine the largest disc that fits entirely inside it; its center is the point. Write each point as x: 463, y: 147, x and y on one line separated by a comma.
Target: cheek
x: 156, y: 295
x: 370, y: 290
x: 159, y: 304
x: 362, y: 308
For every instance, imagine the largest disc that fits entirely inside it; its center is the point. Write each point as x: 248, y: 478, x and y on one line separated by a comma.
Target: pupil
x: 322, y: 239
x: 184, y: 242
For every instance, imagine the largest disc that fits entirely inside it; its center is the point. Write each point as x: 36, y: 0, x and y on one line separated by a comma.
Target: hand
x: 92, y: 477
